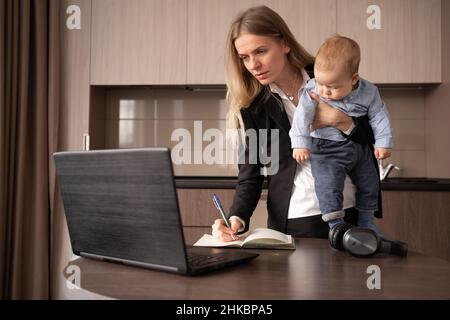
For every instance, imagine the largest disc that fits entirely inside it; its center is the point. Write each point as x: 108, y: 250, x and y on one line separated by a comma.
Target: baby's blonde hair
x: 339, y: 51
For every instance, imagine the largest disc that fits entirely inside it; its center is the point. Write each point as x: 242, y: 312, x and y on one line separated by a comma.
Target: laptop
x: 121, y: 206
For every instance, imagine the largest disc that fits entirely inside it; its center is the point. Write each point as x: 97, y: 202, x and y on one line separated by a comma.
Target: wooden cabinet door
x: 75, y: 89
x: 420, y: 218
x: 311, y: 21
x: 197, y: 208
x: 138, y: 42
x: 406, y: 48
x: 198, y: 212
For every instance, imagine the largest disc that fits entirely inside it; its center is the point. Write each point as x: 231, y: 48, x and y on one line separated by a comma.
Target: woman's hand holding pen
x: 220, y: 230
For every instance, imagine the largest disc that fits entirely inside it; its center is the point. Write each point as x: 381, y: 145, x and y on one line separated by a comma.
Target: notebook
x: 121, y: 206
x: 260, y: 238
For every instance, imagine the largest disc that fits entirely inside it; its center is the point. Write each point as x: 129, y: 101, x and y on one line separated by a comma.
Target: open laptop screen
x: 122, y: 204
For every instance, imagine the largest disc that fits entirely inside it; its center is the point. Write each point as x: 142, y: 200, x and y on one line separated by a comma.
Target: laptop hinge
x: 129, y: 262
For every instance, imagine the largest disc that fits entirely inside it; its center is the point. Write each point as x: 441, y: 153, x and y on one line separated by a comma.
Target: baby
x: 333, y: 155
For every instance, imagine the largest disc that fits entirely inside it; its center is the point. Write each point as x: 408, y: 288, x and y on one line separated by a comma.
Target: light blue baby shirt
x: 364, y: 100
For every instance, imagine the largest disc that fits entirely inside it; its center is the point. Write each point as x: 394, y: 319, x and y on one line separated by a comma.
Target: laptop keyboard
x: 196, y: 260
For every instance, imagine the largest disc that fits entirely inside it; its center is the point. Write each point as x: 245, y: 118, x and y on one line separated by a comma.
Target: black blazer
x: 266, y: 112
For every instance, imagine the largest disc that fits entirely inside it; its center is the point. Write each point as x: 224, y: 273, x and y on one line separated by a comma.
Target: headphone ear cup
x: 361, y: 242
x: 336, y: 235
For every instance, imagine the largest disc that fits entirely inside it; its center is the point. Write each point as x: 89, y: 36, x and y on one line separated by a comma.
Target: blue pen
x: 222, y: 213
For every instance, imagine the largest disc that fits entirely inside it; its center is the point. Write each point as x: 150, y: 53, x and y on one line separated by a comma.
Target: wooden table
x: 313, y: 271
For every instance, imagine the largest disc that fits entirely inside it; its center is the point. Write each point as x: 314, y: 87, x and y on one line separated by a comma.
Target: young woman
x: 266, y: 71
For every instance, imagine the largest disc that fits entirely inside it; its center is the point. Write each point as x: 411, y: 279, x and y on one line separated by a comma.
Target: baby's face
x: 334, y: 84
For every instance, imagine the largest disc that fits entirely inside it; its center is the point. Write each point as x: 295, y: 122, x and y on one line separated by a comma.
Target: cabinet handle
x: 86, y: 142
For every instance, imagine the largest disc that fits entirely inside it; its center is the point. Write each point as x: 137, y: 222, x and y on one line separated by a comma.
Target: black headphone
x: 362, y: 242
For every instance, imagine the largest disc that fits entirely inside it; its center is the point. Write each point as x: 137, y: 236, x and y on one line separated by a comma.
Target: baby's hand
x: 300, y: 155
x: 382, y: 153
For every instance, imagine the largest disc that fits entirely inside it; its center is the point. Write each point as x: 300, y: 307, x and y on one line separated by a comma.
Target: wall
x: 437, y: 106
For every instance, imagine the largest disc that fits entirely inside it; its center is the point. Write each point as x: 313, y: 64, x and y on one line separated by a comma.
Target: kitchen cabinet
x: 421, y: 218
x: 138, y: 42
x: 310, y: 21
x: 198, y: 211
x: 75, y: 89
x: 197, y: 208
x: 407, y: 46
x: 170, y: 42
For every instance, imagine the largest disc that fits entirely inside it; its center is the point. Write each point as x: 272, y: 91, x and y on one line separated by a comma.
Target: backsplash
x: 148, y: 118
x: 407, y: 110
x: 137, y: 117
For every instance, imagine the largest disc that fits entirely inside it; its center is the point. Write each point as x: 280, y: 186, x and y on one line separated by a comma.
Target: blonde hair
x: 339, y: 51
x: 242, y: 87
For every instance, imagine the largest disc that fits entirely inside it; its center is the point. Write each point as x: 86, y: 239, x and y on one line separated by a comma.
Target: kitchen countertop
x: 423, y: 184
x: 400, y: 184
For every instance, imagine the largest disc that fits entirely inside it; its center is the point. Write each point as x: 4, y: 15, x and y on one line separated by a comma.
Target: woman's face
x: 264, y: 57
